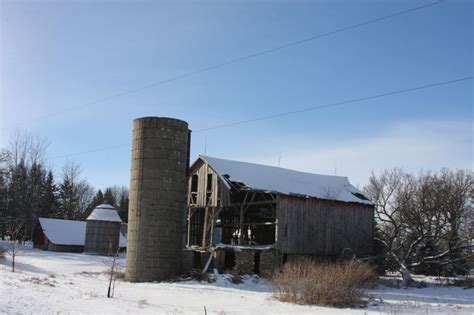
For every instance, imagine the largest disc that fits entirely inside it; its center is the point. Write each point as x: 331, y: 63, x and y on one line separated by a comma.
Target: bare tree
x: 16, y: 232
x: 85, y: 194
x: 114, y: 254
x: 421, y: 218
x: 75, y: 194
x: 71, y: 171
x: 28, y: 147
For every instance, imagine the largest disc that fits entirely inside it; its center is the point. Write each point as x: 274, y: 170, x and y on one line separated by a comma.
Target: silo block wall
x: 157, y: 206
x: 102, y: 237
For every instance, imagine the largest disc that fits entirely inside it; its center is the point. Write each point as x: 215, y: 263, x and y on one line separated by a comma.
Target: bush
x: 328, y: 284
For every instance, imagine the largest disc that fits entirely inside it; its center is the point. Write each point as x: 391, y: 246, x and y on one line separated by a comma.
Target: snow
x: 105, y: 212
x: 285, y: 181
x: 64, y: 232
x: 122, y: 240
x: 51, y: 282
x: 69, y: 232
x: 239, y: 248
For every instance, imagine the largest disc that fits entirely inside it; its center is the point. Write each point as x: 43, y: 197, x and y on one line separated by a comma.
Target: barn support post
x: 188, y: 241
x: 241, y: 222
x: 243, y: 210
x: 213, y: 222
x: 204, y: 230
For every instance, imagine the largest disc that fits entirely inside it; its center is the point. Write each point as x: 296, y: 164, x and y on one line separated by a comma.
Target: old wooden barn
x: 239, y: 204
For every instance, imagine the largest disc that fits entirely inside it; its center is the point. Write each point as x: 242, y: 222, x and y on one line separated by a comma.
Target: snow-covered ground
x: 49, y: 282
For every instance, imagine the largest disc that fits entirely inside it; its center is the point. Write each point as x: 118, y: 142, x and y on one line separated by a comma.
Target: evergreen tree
x: 3, y: 204
x: 17, y: 194
x: 109, y: 197
x: 123, y: 208
x: 35, y: 193
x: 68, y: 199
x: 97, y: 200
x: 49, y: 202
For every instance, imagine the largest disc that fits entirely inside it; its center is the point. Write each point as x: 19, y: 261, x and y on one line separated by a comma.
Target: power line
x: 239, y: 59
x: 365, y: 98
x: 307, y: 109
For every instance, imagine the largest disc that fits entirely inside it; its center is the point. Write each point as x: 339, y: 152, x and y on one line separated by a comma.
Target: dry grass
x: 328, y: 284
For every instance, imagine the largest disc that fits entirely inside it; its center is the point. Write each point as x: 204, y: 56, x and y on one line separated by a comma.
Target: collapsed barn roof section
x: 286, y: 181
x: 68, y: 232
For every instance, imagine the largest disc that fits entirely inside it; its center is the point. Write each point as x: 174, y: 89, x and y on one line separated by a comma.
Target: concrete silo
x: 157, y: 208
x: 102, y: 231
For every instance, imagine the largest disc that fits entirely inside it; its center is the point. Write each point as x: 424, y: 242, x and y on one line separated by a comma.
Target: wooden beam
x: 241, y: 224
x: 204, y: 230
x: 213, y: 222
x: 250, y: 223
x: 253, y: 203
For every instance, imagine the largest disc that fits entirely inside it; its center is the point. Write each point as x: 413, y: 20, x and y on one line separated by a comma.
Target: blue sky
x: 57, y: 55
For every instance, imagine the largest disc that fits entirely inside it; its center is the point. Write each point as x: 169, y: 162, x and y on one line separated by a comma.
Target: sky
x: 58, y: 55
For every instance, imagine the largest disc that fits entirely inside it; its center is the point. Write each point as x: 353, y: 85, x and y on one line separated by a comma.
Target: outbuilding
x: 103, y: 231
x: 60, y: 235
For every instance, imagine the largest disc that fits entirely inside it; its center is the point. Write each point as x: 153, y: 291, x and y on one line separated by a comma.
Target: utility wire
x: 307, y: 109
x: 335, y: 104
x: 236, y: 60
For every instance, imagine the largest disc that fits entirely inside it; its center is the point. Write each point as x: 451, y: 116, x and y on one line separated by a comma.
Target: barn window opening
x: 360, y: 196
x: 194, y: 189
x: 209, y: 181
x: 194, y: 183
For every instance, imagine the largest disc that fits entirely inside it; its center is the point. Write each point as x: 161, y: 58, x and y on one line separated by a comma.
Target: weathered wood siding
x: 310, y: 226
x: 205, y: 197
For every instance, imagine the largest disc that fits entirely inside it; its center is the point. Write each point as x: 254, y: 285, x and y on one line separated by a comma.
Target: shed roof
x: 286, y: 181
x: 104, y: 212
x: 68, y: 232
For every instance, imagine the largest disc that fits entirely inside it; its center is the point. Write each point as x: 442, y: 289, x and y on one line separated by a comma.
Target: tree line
x: 29, y: 189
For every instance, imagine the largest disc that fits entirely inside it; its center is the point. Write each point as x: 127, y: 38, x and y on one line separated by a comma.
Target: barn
x: 60, y: 235
x: 251, y: 207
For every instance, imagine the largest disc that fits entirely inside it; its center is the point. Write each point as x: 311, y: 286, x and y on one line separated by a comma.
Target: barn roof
x: 105, y: 212
x: 68, y: 232
x: 285, y: 181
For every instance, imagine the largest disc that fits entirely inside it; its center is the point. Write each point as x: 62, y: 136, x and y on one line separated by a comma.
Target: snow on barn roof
x: 105, y: 212
x: 64, y: 232
x: 285, y: 181
x: 68, y: 232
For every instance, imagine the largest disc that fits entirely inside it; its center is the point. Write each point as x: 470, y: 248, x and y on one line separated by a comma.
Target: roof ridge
x: 271, y: 166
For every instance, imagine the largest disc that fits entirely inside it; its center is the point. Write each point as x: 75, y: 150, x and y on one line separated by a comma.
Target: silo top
x: 104, y: 212
x: 153, y: 122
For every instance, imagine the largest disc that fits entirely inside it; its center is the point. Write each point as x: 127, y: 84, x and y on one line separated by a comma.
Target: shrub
x: 328, y: 284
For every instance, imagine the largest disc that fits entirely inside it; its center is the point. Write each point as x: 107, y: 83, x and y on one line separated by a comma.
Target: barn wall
x: 310, y: 226
x: 64, y: 248
x: 203, y: 197
x: 38, y: 237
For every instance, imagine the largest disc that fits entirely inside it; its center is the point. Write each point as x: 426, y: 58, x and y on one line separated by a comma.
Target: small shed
x: 60, y: 235
x: 103, y: 230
